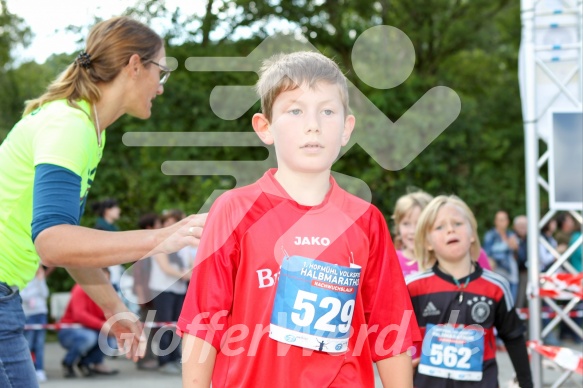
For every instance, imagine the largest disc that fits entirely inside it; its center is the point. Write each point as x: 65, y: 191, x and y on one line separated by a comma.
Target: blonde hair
x: 283, y: 72
x: 110, y: 45
x: 426, y: 258
x: 407, y: 202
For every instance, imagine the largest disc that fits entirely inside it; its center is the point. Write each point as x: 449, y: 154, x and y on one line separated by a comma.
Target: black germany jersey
x: 486, y: 301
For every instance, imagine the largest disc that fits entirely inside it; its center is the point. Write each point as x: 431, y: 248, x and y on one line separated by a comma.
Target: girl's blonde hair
x: 407, y: 202
x: 426, y: 258
x: 283, y: 72
x: 110, y: 45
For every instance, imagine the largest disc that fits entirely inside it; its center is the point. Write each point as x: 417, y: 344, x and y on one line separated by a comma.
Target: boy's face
x: 308, y: 127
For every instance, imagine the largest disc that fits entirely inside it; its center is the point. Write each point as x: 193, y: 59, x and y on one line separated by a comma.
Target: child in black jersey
x: 458, y: 304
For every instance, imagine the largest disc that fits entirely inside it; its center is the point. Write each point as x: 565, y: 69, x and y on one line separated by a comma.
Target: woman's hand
x: 128, y: 331
x: 186, y: 232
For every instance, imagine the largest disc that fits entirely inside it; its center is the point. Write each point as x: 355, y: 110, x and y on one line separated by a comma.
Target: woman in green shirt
x: 47, y: 166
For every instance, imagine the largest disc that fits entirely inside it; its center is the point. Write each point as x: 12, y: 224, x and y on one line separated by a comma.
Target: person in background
x: 82, y: 344
x: 576, y: 261
x: 546, y: 260
x: 108, y: 212
x: 141, y: 272
x: 500, y: 245
x: 576, y: 257
x: 34, y: 303
x: 566, y: 225
x: 546, y: 256
x: 48, y: 164
x: 407, y: 210
x: 168, y: 277
x: 520, y: 227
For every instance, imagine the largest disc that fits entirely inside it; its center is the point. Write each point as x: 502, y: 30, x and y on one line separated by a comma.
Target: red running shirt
x: 228, y: 304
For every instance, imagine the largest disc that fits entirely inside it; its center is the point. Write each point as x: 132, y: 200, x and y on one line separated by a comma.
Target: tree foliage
x: 469, y: 46
x: 13, y: 34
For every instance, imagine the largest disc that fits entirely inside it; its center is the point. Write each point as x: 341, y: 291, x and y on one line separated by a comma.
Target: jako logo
x: 325, y: 241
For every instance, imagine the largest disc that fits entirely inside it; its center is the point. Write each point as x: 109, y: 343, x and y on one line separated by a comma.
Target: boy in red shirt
x: 296, y: 281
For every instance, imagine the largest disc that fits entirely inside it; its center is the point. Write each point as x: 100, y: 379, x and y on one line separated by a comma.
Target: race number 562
x: 450, y: 356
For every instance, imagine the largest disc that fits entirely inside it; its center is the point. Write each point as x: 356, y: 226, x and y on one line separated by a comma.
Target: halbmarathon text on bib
x: 314, y: 304
x: 452, y: 352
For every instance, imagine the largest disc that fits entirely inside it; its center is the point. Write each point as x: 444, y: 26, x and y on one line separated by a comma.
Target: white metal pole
x: 532, y: 189
x: 580, y: 18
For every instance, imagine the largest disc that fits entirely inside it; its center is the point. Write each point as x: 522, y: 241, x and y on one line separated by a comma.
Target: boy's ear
x: 349, y: 123
x: 261, y: 127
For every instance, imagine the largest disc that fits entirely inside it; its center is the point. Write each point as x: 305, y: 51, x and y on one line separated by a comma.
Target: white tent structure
x: 551, y: 86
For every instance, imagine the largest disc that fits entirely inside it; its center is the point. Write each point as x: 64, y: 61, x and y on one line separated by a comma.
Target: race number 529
x: 336, y: 316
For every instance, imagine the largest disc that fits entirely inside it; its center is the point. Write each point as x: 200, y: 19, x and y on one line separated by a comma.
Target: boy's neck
x: 306, y: 189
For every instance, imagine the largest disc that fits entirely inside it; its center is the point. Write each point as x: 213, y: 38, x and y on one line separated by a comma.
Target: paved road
x: 130, y: 377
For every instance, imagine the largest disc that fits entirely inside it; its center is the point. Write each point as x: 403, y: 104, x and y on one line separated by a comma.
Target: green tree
x: 469, y: 46
x: 13, y: 33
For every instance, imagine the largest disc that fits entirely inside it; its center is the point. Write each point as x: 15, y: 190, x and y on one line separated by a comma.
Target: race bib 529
x: 314, y: 304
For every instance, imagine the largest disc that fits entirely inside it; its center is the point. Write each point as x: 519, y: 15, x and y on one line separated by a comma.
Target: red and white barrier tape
x: 566, y: 358
x: 59, y: 326
x: 524, y: 313
x: 563, y: 286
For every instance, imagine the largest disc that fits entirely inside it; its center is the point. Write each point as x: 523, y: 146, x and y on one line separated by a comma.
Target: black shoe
x: 86, y: 371
x: 109, y: 372
x: 68, y: 371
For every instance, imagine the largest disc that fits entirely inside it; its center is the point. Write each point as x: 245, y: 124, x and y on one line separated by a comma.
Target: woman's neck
x: 111, y: 105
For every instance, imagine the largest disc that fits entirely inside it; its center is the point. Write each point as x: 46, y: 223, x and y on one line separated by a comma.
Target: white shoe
x: 41, y: 376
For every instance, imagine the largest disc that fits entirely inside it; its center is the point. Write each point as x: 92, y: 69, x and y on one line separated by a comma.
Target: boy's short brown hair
x: 283, y: 72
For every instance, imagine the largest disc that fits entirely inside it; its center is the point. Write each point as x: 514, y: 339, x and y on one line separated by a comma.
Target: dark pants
x: 81, y: 345
x: 168, y: 306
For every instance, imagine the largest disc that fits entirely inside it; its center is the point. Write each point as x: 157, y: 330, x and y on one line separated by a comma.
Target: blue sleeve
x: 488, y: 241
x: 55, y: 198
